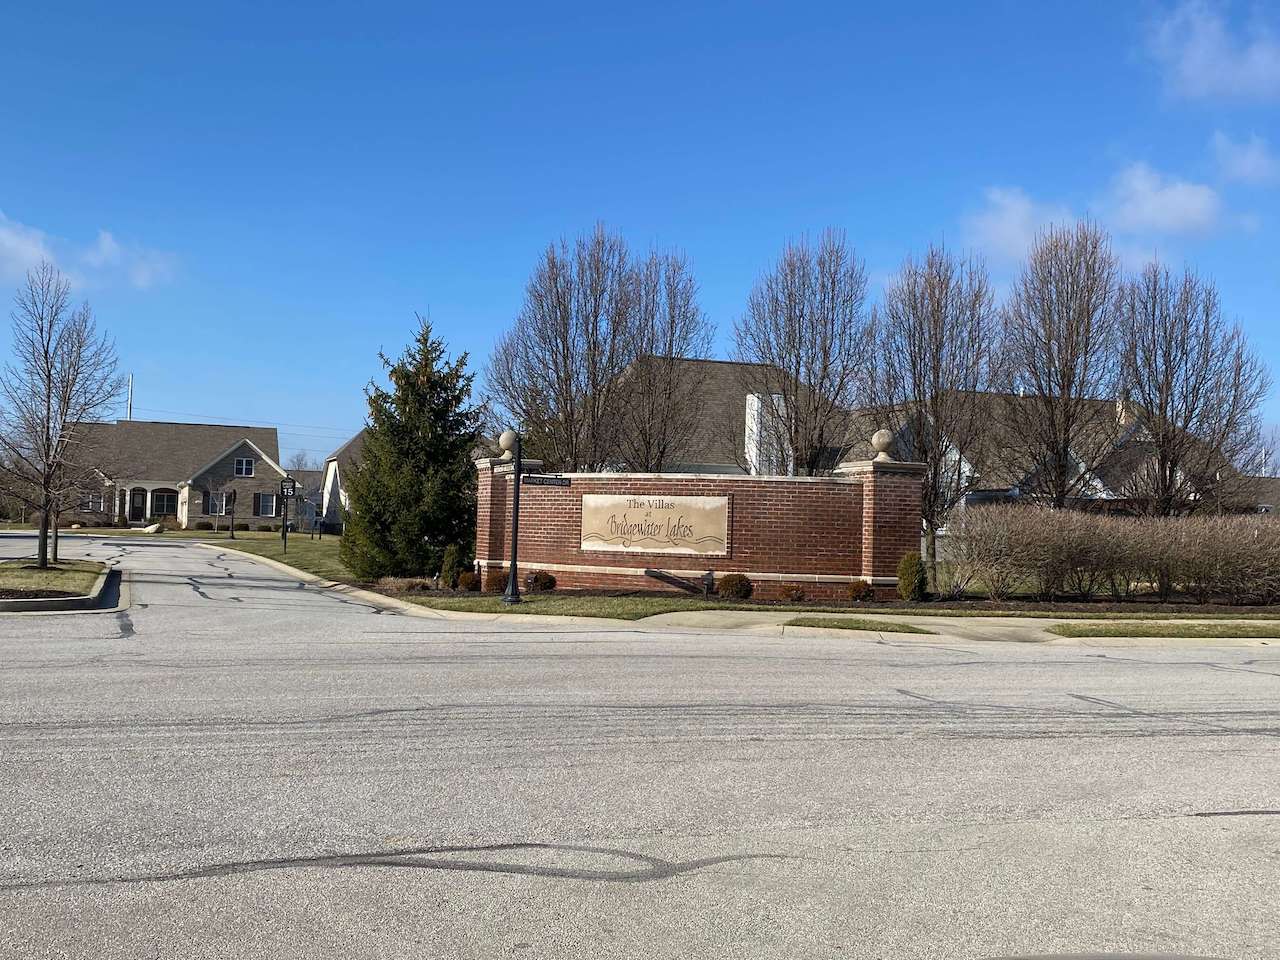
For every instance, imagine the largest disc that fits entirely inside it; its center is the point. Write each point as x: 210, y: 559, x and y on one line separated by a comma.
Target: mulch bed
x: 8, y: 593
x: 1135, y: 606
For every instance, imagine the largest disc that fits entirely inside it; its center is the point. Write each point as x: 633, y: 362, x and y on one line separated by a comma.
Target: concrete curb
x: 346, y: 589
x: 58, y: 604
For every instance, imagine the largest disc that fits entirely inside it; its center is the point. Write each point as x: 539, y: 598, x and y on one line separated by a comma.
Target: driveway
x: 241, y: 765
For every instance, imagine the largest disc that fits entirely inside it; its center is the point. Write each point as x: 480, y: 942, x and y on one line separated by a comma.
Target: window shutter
x: 205, y: 503
x: 257, y: 504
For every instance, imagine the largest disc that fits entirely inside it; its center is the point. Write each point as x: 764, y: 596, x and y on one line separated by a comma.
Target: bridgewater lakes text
x: 671, y: 529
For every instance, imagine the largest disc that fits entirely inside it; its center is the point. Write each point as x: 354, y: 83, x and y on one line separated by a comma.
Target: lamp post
x: 510, y: 442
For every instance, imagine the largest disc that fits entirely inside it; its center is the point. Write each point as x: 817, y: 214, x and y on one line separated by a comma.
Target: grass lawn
x: 319, y: 557
x: 857, y: 623
x: 1170, y: 629
x: 71, y: 577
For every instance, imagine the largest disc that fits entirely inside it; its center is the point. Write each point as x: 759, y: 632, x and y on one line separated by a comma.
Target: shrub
x: 735, y: 586
x: 796, y: 595
x: 242, y: 526
x: 404, y: 584
x: 495, y: 580
x: 450, y: 566
x: 860, y: 590
x: 540, y: 582
x: 469, y: 581
x: 911, y: 577
x: 1231, y: 558
x: 267, y: 528
x: 204, y: 525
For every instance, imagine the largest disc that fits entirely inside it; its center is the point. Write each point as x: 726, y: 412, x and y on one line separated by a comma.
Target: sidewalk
x: 764, y: 623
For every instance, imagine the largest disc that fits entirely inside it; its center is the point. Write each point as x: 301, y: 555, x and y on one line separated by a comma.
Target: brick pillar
x: 493, y: 509
x: 890, y: 516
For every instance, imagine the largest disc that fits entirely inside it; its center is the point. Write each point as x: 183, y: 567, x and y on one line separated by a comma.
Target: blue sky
x: 257, y: 198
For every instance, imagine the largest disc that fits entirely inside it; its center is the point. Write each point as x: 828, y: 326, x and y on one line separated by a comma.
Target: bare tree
x: 658, y: 402
x: 63, y: 374
x: 805, y: 331
x: 1060, y: 355
x: 557, y: 371
x: 1194, y: 389
x: 301, y: 460
x: 931, y: 358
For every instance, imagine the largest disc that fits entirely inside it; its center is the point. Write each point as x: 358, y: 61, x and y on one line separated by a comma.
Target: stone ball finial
x: 882, y: 442
x: 508, y: 443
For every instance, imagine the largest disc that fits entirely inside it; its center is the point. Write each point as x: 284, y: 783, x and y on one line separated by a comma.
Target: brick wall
x: 818, y: 534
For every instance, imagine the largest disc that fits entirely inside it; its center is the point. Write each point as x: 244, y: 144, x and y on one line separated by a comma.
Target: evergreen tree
x: 412, y: 493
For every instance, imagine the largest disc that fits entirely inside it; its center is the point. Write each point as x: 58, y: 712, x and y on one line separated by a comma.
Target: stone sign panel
x: 656, y: 524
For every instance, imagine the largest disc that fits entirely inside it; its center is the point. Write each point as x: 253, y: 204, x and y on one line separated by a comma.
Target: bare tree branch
x: 932, y: 357
x: 806, y: 331
x: 1060, y: 357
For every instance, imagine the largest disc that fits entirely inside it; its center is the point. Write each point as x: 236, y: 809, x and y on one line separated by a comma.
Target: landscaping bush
x: 911, y: 577
x: 735, y: 586
x: 1063, y: 553
x: 860, y: 590
x: 394, y: 585
x: 204, y: 525
x: 268, y: 528
x: 469, y: 581
x: 540, y: 582
x: 242, y: 526
x: 495, y: 580
x: 450, y: 566
x: 796, y: 595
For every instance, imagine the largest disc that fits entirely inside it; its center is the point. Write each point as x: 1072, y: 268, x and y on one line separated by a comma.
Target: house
x: 141, y: 471
x: 306, y: 506
x: 333, y: 495
x: 737, y: 431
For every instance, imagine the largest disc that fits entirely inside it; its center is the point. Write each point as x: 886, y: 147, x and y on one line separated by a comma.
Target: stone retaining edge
x: 26, y: 605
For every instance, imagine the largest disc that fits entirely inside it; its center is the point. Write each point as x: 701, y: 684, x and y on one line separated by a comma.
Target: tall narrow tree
x: 1194, y: 389
x: 556, y: 373
x: 931, y: 358
x: 658, y: 403
x: 412, y: 493
x: 62, y: 375
x: 804, y: 335
x: 1060, y: 356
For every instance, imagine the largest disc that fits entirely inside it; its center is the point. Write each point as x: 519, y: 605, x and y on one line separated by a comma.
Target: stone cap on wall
x: 860, y: 468
x: 501, y: 466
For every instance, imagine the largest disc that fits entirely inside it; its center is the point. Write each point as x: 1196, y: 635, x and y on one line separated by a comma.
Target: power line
x: 338, y: 431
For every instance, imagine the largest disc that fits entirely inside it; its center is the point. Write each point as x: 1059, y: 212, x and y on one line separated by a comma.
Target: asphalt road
x: 243, y: 766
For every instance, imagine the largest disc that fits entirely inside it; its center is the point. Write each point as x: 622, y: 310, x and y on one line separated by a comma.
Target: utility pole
x: 128, y: 415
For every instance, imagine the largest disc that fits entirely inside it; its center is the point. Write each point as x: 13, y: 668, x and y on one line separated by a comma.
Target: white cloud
x: 147, y: 268
x: 104, y: 252
x: 1144, y: 200
x: 21, y: 248
x: 103, y: 262
x: 1203, y: 57
x: 1250, y: 161
x: 1007, y: 225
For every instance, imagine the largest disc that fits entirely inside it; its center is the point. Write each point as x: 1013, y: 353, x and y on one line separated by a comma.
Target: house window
x: 164, y: 504
x: 216, y: 504
x: 267, y: 505
x: 244, y: 466
x: 94, y: 503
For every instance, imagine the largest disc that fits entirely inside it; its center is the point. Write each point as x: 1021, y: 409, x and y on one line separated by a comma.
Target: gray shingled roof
x: 153, y: 450
x: 349, y: 452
